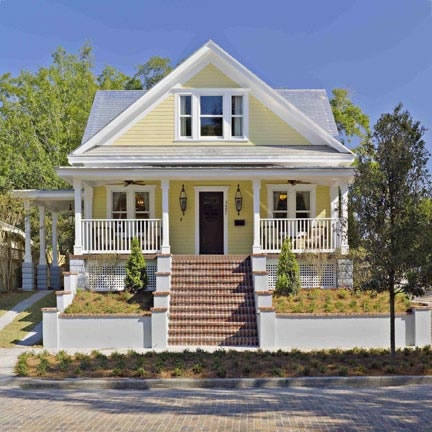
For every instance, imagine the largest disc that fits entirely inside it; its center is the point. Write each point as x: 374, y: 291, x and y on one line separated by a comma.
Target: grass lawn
x: 227, y: 364
x: 9, y: 299
x: 327, y: 301
x: 93, y: 303
x: 25, y: 321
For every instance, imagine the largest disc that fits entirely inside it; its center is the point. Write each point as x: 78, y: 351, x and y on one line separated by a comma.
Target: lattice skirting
x: 311, y: 275
x: 110, y: 277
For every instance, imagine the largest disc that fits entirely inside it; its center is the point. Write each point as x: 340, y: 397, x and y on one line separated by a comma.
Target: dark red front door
x: 211, y: 223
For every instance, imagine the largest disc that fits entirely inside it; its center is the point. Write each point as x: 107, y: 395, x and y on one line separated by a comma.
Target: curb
x: 214, y: 383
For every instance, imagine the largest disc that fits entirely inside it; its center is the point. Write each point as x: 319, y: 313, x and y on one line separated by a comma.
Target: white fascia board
x: 212, y: 53
x: 52, y: 195
x: 327, y: 160
x: 133, y: 173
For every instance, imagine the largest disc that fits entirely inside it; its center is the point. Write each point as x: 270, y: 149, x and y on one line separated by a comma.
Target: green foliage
x: 350, y: 119
x: 288, y: 272
x: 153, y: 71
x: 136, y: 269
x: 388, y: 195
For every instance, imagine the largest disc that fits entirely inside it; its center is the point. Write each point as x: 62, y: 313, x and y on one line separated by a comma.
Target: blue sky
x: 379, y: 49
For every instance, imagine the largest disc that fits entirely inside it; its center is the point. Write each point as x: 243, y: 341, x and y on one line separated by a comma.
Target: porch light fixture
x: 238, y: 200
x: 183, y: 200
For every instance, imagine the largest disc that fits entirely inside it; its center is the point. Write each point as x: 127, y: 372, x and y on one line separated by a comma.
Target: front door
x: 211, y: 229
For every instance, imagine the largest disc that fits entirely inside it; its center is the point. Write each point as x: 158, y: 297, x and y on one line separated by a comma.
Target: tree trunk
x: 392, y: 314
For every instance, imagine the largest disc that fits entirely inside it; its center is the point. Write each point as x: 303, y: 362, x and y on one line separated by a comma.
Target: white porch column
x: 42, y: 269
x: 54, y: 239
x: 27, y: 268
x: 166, y: 249
x: 55, y: 270
x: 334, y: 214
x: 256, y: 248
x: 42, y: 239
x: 344, y: 211
x: 88, y: 202
x: 78, y: 205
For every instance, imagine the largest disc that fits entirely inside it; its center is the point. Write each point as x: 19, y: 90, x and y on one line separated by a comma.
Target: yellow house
x: 208, y: 167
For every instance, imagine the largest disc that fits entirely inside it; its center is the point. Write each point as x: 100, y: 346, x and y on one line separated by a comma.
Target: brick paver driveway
x: 384, y: 409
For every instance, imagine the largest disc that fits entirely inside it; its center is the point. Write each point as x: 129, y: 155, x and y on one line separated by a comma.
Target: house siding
x: 182, y: 227
x: 210, y: 77
x: 157, y: 127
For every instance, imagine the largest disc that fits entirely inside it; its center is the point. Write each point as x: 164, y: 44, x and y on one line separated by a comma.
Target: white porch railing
x: 306, y: 235
x: 115, y: 235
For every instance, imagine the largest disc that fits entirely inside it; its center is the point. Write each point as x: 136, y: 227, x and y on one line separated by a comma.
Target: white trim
x: 290, y: 190
x: 212, y: 53
x: 223, y: 189
x: 130, y: 190
x: 195, y: 94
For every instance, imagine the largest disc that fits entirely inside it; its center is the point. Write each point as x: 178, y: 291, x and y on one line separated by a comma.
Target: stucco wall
x: 320, y: 332
x: 104, y: 332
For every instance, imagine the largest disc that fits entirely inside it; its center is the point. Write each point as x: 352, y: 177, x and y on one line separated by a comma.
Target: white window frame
x: 226, y: 94
x: 130, y: 198
x: 180, y: 116
x: 291, y: 194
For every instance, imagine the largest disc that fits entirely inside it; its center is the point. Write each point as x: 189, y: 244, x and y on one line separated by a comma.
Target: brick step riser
x: 213, y: 310
x: 196, y: 317
x: 227, y: 304
x: 211, y: 294
x: 234, y: 267
x: 210, y: 280
x: 216, y: 335
x: 202, y: 290
x: 191, y: 327
x: 205, y: 342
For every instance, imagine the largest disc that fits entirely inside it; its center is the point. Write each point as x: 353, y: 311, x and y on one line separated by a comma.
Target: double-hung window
x: 211, y: 116
x: 291, y: 202
x: 280, y: 204
x: 207, y: 114
x: 186, y: 116
x: 135, y: 203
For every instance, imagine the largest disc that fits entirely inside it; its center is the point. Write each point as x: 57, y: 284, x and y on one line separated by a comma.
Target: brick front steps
x: 212, y: 301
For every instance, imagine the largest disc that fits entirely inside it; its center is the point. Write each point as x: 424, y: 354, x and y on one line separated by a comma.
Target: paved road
x: 384, y: 409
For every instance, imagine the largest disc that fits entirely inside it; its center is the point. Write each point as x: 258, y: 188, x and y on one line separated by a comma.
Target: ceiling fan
x: 126, y: 183
x: 296, y: 182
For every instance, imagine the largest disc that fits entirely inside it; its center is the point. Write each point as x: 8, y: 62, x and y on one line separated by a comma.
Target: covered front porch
x: 199, y: 215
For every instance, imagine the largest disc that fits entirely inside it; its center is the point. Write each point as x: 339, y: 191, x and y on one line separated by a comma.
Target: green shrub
x: 21, y: 367
x: 140, y: 372
x: 42, y: 367
x: 136, y: 269
x: 197, y: 368
x: 288, y: 272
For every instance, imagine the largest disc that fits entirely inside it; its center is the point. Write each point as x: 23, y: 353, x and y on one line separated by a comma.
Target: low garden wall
x: 96, y: 332
x: 312, y: 332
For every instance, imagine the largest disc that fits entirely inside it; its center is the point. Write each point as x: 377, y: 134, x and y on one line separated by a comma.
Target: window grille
x: 309, y: 275
x: 110, y: 277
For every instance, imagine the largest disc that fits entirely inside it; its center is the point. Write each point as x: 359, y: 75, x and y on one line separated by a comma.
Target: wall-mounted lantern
x: 183, y: 200
x: 238, y: 200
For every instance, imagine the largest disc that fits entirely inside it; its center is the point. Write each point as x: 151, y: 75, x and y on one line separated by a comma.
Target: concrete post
x: 256, y: 248
x: 42, y: 268
x: 422, y: 326
x: 50, y: 329
x: 55, y: 269
x: 165, y: 249
x: 27, y: 268
x: 159, y: 328
x: 266, y: 328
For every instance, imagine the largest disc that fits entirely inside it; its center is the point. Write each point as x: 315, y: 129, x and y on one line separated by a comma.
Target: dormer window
x: 211, y: 114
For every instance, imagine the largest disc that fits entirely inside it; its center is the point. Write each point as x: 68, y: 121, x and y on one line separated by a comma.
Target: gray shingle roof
x: 108, y: 104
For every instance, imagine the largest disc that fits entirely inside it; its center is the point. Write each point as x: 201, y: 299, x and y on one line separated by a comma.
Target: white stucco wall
x: 104, y: 332
x: 322, y: 332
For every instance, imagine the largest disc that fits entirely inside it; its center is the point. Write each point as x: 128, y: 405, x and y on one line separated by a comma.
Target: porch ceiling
x: 53, y: 200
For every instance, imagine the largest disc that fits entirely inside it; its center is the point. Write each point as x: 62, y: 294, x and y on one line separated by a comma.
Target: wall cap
x: 70, y: 274
x: 49, y: 309
x: 337, y: 315
x: 159, y: 309
x: 60, y: 293
x: 264, y: 292
x: 266, y: 309
x: 78, y: 315
x: 162, y: 273
x: 161, y: 293
x: 260, y: 273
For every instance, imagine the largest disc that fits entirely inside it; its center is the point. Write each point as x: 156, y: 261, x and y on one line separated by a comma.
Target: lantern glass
x: 238, y: 199
x: 183, y: 200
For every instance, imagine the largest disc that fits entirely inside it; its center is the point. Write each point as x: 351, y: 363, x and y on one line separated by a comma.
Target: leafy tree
x: 389, y: 192
x: 350, y: 120
x: 136, y: 269
x: 288, y: 272
x: 152, y: 71
x: 112, y: 79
